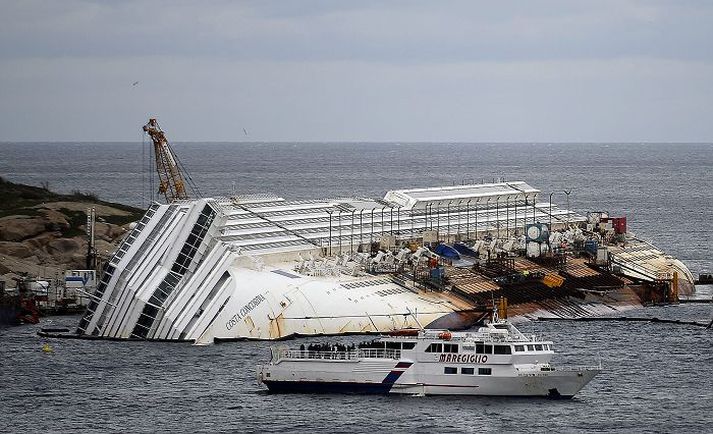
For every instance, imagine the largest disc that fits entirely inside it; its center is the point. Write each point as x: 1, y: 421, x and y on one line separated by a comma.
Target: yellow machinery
x: 553, y: 280
x: 503, y: 308
x: 171, y: 181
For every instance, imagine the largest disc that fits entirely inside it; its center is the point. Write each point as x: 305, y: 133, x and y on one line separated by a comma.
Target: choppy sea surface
x: 656, y: 379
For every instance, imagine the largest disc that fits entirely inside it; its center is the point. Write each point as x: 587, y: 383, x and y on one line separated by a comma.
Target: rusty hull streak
x: 279, y: 323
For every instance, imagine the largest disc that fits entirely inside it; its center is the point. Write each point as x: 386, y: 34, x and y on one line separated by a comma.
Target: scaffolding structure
x: 446, y: 214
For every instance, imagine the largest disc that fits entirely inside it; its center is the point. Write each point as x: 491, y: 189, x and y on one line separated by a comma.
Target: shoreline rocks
x: 44, y: 233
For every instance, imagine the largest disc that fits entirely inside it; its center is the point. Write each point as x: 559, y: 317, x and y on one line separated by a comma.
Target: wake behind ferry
x: 497, y: 360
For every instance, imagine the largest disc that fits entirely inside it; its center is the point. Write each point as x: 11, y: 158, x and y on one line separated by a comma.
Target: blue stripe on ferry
x: 395, y: 374
x: 327, y: 387
x: 392, y: 377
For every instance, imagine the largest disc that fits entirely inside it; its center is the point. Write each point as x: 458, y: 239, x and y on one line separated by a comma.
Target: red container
x: 619, y: 224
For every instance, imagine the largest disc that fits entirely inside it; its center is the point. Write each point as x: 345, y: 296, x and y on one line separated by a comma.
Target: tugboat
x: 19, y: 306
x: 496, y: 360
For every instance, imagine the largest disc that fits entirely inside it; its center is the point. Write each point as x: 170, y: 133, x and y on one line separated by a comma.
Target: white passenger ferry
x: 497, y: 360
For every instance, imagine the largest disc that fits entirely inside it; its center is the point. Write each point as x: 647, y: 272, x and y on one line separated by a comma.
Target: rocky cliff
x: 44, y: 233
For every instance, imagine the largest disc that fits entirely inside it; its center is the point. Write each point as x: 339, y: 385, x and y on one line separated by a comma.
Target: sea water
x: 656, y: 376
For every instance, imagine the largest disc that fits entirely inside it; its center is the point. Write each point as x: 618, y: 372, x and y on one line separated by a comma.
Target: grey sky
x: 358, y: 70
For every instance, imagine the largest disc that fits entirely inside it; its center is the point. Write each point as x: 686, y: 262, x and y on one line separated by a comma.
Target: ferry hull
x: 555, y: 385
x: 403, y: 377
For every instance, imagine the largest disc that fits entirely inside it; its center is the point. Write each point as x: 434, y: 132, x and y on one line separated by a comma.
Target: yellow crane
x: 171, y: 181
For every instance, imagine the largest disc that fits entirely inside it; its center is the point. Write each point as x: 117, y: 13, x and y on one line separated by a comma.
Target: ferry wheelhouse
x: 496, y: 360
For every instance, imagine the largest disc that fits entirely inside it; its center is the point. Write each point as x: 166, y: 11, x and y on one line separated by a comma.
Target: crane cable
x: 148, y: 166
x: 185, y: 171
x: 182, y: 168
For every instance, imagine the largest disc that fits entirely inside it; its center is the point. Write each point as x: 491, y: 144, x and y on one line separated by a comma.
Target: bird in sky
x: 245, y: 131
x: 135, y: 83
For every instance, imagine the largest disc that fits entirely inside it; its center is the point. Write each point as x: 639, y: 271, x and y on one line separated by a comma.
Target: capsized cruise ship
x: 262, y: 267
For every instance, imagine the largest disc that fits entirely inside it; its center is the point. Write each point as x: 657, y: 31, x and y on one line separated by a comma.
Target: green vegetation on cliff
x: 20, y: 199
x: 43, y: 232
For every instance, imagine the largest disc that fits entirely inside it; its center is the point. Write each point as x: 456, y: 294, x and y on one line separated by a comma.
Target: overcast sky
x: 530, y: 71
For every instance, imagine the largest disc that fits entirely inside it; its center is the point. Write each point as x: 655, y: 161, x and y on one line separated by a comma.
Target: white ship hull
x: 372, y: 378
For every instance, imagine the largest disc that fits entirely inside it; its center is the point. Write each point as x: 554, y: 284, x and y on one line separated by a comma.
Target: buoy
x: 47, y: 348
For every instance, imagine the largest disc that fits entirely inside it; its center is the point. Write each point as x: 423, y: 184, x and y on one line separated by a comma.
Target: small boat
x: 495, y: 360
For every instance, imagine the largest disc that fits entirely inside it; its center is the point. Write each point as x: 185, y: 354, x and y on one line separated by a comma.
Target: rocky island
x: 43, y: 233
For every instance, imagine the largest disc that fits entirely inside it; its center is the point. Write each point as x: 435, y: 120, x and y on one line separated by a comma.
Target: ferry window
x: 519, y: 348
x: 488, y: 349
x: 467, y: 371
x: 449, y: 370
x: 502, y: 349
x: 538, y: 347
x: 371, y: 344
x: 530, y: 348
x: 393, y: 345
x: 435, y: 348
x: 470, y: 348
x: 450, y: 348
x: 479, y: 348
x: 485, y: 371
x: 409, y: 345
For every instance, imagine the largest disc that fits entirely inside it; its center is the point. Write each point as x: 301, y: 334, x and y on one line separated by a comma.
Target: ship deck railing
x: 577, y: 368
x: 279, y: 354
x: 560, y: 368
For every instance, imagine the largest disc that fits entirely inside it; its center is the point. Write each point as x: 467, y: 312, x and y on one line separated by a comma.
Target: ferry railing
x: 579, y: 368
x: 379, y: 353
x: 360, y: 353
x: 576, y: 368
x: 560, y: 368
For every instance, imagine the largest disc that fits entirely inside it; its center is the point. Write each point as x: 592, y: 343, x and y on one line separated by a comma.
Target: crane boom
x: 171, y: 181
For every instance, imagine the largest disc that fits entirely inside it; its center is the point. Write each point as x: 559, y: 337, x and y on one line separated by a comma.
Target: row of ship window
x: 449, y: 370
x: 482, y: 348
x: 533, y: 347
x: 479, y: 348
